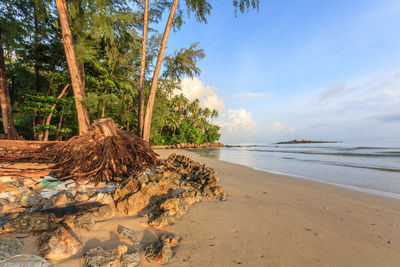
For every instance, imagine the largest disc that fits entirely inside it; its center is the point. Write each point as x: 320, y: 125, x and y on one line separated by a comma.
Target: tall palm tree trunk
x: 77, y: 82
x: 8, y: 122
x: 142, y: 70
x: 154, y: 81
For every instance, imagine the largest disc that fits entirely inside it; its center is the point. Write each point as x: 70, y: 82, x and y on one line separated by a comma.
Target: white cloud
x: 193, y: 89
x: 278, y: 126
x: 249, y: 96
x: 237, y: 122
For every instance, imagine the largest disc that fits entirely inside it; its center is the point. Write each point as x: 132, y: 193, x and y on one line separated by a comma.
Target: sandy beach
x: 268, y: 220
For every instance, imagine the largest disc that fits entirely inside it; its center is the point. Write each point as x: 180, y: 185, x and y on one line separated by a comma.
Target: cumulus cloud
x: 193, y: 89
x: 237, y: 122
x: 278, y: 126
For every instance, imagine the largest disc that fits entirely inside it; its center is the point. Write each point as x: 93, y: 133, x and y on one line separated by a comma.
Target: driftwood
x: 102, y: 155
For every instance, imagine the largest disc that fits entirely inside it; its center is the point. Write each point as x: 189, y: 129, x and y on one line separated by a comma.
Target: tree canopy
x: 107, y: 38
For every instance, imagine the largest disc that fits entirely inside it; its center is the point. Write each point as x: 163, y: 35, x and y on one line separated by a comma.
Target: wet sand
x: 269, y: 220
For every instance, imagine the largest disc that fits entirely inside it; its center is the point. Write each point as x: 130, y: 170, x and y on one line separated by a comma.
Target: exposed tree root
x: 101, y: 155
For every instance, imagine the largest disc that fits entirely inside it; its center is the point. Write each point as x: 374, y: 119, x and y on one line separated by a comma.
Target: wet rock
x: 158, y: 252
x: 25, y: 260
x: 10, y: 247
x: 25, y: 223
x: 58, y: 245
x: 124, y: 232
x: 170, y: 239
x: 98, y: 257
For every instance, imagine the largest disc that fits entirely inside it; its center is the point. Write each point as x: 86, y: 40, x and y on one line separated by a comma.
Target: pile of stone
x: 166, y: 193
x: 54, y: 210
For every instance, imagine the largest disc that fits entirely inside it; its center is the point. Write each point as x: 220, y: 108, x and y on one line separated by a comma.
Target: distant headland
x: 304, y: 141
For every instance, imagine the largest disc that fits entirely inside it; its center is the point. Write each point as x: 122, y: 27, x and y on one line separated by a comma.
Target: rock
x: 169, y: 239
x: 10, y: 247
x: 131, y: 204
x: 60, y: 200
x: 130, y: 187
x: 13, y: 207
x: 130, y: 259
x: 9, y: 190
x: 158, y: 252
x: 128, y: 233
x: 83, y: 222
x: 81, y: 197
x: 25, y: 260
x: 25, y: 223
x: 162, y: 220
x: 98, y: 257
x: 58, y: 245
x: 105, y: 212
x: 31, y: 199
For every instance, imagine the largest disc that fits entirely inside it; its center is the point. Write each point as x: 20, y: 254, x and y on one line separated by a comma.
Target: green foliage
x: 177, y: 120
x: 107, y: 42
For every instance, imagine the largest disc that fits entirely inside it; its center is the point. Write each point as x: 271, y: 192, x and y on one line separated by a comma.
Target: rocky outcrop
x: 58, y: 245
x: 173, y: 208
x: 195, y: 175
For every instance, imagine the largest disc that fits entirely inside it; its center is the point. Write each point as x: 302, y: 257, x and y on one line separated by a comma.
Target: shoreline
x: 267, y: 220
x: 279, y: 220
x: 370, y: 191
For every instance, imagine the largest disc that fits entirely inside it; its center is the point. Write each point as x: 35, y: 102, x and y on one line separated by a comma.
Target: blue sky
x: 300, y: 69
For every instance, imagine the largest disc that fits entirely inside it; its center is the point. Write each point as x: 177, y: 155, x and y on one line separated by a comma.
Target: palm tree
x: 206, y: 112
x: 173, y: 121
x: 77, y: 80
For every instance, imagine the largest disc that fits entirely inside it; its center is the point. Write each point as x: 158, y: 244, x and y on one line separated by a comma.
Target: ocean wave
x: 377, y: 154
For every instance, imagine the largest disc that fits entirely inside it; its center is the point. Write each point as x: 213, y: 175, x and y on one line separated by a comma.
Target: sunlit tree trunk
x: 6, y: 113
x: 154, y: 81
x: 74, y: 68
x: 142, y: 70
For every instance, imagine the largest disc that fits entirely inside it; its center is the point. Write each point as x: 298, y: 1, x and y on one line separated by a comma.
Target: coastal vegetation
x: 64, y: 64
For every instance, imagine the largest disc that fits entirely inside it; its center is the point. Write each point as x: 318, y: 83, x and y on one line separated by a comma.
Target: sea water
x: 369, y: 165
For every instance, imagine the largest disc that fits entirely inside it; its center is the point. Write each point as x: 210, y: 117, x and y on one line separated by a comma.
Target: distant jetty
x: 304, y: 141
